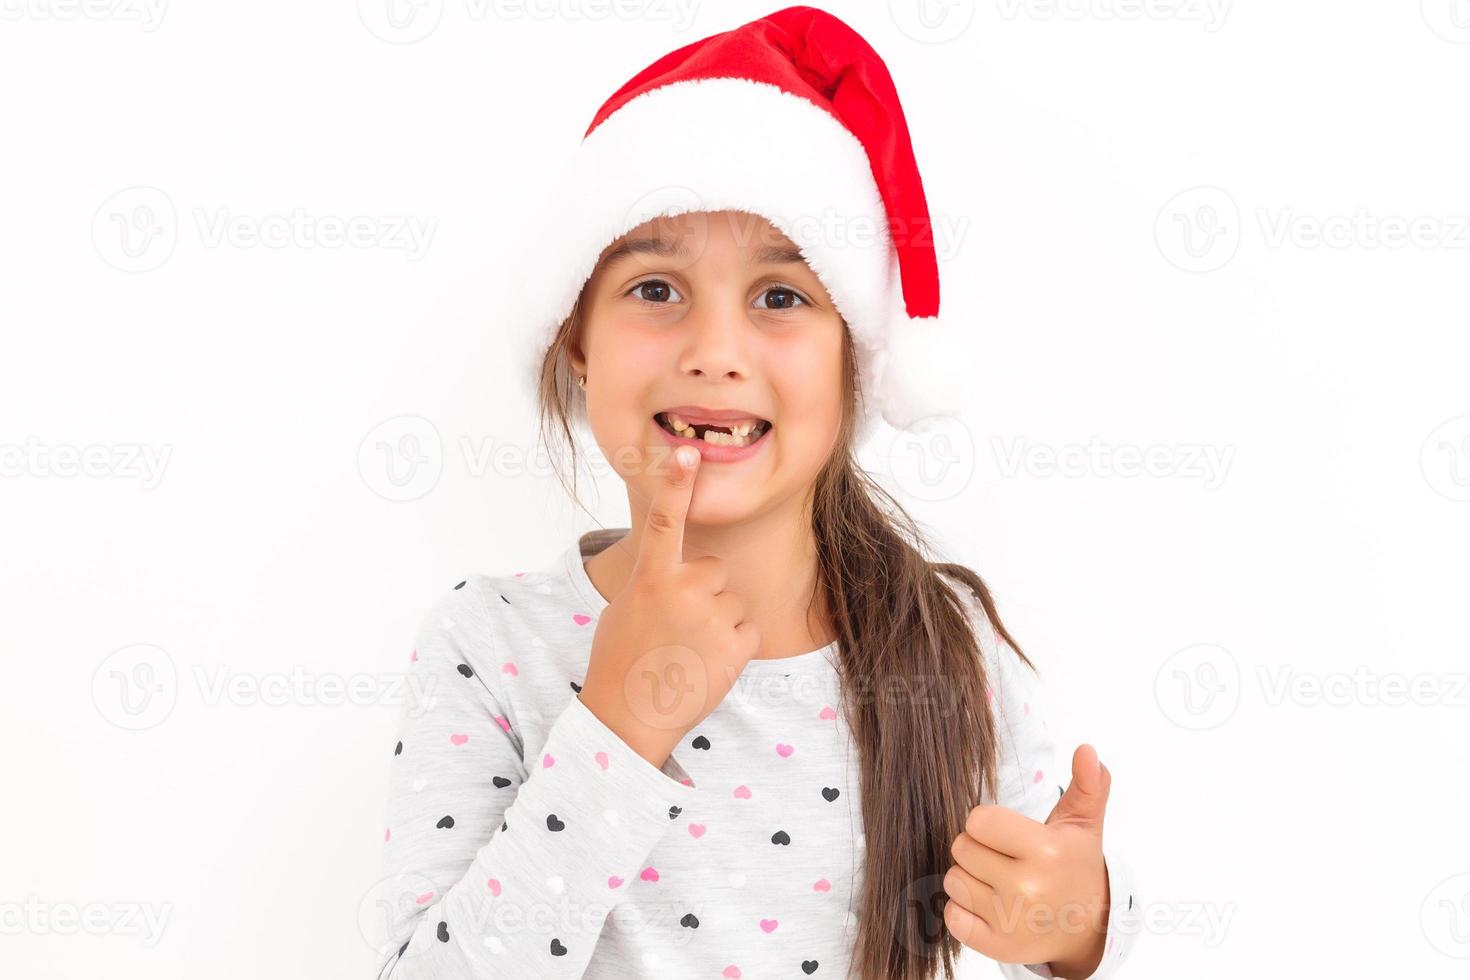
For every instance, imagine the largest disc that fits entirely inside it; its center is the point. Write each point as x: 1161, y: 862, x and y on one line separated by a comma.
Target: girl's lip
x: 710, y: 452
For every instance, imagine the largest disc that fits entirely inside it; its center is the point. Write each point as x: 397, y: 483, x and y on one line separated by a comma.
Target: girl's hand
x: 670, y: 645
x: 1028, y: 892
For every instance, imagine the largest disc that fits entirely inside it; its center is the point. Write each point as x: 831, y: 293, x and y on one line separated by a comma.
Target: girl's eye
x: 655, y: 291
x: 794, y: 297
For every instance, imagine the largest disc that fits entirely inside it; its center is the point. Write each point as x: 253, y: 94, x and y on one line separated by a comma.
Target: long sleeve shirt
x: 526, y: 839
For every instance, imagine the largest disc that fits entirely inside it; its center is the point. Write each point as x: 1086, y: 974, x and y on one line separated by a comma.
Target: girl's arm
x: 496, y: 865
x: 1030, y: 779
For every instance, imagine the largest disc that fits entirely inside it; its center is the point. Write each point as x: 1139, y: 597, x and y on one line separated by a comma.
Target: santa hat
x: 793, y: 117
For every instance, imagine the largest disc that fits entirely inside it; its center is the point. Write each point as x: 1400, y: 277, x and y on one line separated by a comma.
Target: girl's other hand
x: 670, y: 645
x: 1028, y: 892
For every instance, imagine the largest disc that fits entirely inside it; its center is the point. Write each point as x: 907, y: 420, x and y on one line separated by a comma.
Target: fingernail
x: 685, y: 456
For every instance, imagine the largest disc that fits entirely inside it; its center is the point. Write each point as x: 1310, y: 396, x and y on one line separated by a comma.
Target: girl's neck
x: 772, y: 566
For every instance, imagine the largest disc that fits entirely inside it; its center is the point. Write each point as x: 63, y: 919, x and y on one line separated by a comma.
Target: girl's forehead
x: 745, y: 228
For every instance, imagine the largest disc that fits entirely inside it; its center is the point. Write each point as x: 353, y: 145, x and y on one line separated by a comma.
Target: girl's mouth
x: 737, y: 436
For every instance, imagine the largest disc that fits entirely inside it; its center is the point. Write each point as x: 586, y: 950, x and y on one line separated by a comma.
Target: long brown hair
x: 912, y: 677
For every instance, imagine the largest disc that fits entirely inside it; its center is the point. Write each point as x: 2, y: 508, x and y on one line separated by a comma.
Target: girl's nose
x: 716, y: 341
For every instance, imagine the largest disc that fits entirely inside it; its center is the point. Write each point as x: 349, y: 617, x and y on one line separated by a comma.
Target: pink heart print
x: 742, y: 792
x: 581, y: 619
x: 696, y: 830
x: 424, y: 898
x: 510, y: 669
x: 494, y: 887
x: 503, y: 722
x: 768, y: 925
x: 822, y: 885
x: 458, y: 739
x: 547, y: 761
x: 784, y: 750
x: 601, y: 758
x: 732, y: 972
x: 827, y: 713
x: 649, y: 874
x: 614, y: 882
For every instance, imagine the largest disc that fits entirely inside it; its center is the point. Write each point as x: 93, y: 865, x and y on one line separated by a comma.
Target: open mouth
x: 735, y: 434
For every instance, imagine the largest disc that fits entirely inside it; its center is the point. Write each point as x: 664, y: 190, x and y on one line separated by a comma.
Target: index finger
x: 1004, y: 830
x: 663, y: 532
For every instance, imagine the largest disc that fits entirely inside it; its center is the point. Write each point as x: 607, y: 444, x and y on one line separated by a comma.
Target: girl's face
x: 712, y: 317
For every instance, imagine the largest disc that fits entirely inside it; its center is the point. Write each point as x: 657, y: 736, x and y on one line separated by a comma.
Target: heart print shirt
x: 524, y: 839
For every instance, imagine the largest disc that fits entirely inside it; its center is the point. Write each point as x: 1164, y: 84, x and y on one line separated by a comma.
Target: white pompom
x: 925, y: 371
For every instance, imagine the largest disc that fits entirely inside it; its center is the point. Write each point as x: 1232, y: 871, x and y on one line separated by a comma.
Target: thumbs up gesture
x: 1027, y: 892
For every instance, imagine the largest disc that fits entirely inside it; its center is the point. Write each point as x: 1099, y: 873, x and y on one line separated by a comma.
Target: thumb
x: 1085, y: 800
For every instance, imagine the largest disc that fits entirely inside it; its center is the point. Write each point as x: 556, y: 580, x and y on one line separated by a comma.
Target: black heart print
x: 445, y: 823
x: 576, y: 687
x: 557, y: 949
x: 808, y: 967
x: 674, y: 811
x: 504, y: 825
x: 829, y: 794
x: 444, y: 932
x: 701, y: 743
x: 500, y: 782
x: 554, y: 824
x: 689, y: 921
x: 398, y: 749
x: 465, y: 670
x: 780, y: 837
x: 460, y: 585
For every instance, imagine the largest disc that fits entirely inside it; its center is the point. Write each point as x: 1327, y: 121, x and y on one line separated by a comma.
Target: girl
x: 757, y: 733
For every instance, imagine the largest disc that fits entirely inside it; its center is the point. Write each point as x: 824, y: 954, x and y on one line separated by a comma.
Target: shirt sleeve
x: 495, y: 865
x: 1030, y: 780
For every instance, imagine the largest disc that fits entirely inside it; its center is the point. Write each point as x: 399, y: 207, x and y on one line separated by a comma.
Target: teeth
x: 740, y: 435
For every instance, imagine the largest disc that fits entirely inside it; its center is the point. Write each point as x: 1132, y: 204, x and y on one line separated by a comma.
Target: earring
x: 582, y: 381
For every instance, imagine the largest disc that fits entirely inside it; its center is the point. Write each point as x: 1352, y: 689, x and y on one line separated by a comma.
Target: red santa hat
x: 793, y: 117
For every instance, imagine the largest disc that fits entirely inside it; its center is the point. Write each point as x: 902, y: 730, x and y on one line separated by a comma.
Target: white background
x: 1177, y: 229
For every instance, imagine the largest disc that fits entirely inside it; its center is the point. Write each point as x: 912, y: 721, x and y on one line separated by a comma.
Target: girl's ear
x: 576, y: 359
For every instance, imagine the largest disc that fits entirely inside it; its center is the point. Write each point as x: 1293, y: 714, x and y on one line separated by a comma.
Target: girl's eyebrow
x: 641, y: 246
x: 771, y: 255
x: 778, y: 255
